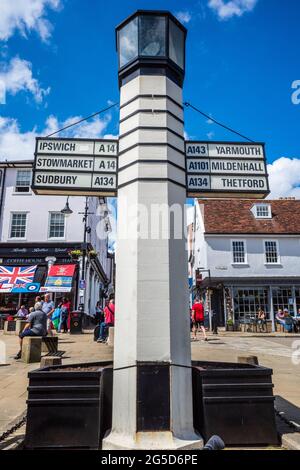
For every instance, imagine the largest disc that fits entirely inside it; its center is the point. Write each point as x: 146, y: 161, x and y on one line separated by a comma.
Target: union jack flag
x: 16, y: 274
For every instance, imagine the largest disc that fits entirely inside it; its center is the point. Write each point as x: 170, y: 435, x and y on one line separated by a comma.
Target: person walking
x: 198, y: 319
x: 36, y: 326
x: 64, y: 315
x: 56, y: 315
x: 109, y: 315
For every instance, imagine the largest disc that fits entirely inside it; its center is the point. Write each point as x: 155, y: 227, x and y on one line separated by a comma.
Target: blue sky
x: 58, y: 62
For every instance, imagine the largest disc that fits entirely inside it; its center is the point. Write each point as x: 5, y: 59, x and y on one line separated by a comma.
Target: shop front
x: 37, y: 257
x: 246, y: 299
x: 240, y: 299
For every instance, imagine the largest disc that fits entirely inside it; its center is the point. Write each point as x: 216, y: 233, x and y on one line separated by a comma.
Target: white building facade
x: 251, y: 251
x: 32, y: 229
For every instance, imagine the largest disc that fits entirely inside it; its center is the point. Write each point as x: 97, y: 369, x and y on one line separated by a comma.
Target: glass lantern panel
x: 128, y: 42
x: 152, y: 36
x: 176, y: 44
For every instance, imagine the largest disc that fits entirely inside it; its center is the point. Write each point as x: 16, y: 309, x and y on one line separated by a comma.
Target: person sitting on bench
x: 109, y: 313
x: 261, y: 320
x: 36, y: 326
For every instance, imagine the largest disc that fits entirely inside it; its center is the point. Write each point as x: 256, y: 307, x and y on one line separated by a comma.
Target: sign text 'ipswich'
x: 226, y: 169
x: 75, y: 166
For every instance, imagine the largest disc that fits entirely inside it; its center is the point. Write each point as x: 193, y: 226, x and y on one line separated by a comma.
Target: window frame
x: 27, y: 170
x: 270, y: 263
x: 49, y: 226
x: 233, y: 262
x: 262, y: 217
x: 11, y: 225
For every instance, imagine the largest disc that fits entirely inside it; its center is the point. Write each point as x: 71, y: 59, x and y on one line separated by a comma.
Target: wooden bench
x: 33, y: 346
x: 49, y: 344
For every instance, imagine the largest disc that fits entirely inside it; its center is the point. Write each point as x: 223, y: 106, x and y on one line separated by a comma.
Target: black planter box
x: 69, y: 409
x: 234, y: 401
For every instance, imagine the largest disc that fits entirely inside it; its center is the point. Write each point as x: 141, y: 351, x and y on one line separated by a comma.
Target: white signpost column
x: 151, y: 170
x: 152, y: 387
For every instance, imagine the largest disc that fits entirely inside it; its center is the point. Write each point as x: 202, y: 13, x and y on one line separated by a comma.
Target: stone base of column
x: 152, y: 441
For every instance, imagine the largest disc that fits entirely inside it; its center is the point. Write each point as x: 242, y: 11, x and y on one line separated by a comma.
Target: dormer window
x: 262, y: 211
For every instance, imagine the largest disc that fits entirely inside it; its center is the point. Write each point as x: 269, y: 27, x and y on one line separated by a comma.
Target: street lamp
x: 87, y: 230
x: 66, y: 210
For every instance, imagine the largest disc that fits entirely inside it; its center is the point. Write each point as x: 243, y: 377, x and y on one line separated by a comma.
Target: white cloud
x: 228, y: 9
x: 18, y: 145
x: 210, y: 135
x: 284, y: 178
x: 26, y: 16
x: 210, y: 121
x: 89, y: 129
x: 15, y: 145
x: 17, y: 76
x: 183, y: 16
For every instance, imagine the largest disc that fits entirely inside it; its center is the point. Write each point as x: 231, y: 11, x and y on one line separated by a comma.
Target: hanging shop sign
x: 199, y: 278
x: 226, y: 169
x: 75, y: 166
x: 61, y: 271
x: 59, y: 278
x: 57, y: 284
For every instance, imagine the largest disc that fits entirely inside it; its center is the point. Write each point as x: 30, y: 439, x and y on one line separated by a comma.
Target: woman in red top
x: 109, y: 314
x: 198, y: 318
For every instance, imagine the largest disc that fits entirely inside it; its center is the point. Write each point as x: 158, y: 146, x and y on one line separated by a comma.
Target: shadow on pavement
x: 288, y: 411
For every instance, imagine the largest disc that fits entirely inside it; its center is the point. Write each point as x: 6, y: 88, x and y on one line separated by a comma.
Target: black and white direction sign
x: 64, y: 162
x: 75, y: 166
x: 65, y: 146
x: 226, y: 169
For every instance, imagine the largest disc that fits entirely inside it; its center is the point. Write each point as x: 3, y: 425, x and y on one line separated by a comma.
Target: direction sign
x: 75, y: 166
x: 226, y: 169
x: 89, y: 167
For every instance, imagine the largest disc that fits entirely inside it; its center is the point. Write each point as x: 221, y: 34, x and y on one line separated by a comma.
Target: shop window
x: 238, y: 252
x: 271, y: 252
x: 56, y: 225
x: 248, y: 301
x: 297, y: 293
x: 23, y: 181
x: 18, y: 225
x: 283, y: 299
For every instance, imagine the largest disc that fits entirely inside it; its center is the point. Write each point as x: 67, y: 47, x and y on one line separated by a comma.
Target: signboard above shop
x: 75, y: 166
x: 226, y: 169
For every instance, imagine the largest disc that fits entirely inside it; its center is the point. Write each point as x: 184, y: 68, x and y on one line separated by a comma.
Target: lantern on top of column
x: 151, y: 39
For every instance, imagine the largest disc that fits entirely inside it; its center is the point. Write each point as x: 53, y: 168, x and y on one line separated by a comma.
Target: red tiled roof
x: 225, y: 216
